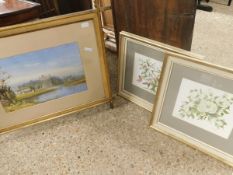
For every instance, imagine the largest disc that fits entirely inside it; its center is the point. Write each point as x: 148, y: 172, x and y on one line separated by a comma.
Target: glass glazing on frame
x: 146, y: 72
x: 143, y: 66
x: 205, y: 107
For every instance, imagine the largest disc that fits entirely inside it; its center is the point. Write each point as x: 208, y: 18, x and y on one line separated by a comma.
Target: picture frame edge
x: 156, y: 105
x: 120, y: 62
x: 202, y: 62
x: 169, y: 48
x: 102, y: 56
x: 136, y: 100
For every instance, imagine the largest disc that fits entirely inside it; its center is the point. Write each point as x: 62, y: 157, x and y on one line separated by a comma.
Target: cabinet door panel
x: 179, y: 30
x: 181, y: 6
x: 168, y: 21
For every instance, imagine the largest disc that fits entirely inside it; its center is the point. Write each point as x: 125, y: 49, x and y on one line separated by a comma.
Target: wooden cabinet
x: 167, y: 21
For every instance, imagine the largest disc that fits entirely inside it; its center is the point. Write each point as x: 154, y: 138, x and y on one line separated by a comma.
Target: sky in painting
x: 58, y: 61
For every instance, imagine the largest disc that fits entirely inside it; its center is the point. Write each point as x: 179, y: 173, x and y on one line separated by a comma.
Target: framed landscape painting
x: 140, y: 64
x: 51, y: 68
x: 195, y: 105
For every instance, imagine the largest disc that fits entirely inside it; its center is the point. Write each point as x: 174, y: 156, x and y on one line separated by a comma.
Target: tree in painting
x: 7, y: 95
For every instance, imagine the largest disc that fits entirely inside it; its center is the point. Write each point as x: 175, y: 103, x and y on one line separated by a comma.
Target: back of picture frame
x: 51, y: 68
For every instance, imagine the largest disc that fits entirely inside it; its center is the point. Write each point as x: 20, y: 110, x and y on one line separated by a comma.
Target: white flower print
x: 204, y: 105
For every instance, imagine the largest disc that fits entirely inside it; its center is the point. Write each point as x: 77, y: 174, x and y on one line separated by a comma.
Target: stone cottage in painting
x: 46, y: 81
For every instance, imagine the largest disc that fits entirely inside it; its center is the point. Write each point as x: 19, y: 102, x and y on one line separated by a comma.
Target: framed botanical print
x: 194, y: 104
x: 51, y: 68
x: 140, y: 64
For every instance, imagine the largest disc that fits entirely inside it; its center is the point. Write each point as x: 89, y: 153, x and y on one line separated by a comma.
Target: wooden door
x: 167, y: 21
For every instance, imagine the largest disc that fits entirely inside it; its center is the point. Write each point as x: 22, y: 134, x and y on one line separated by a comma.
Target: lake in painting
x: 41, y: 76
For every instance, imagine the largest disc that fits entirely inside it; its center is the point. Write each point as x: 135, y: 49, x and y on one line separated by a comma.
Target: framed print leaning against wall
x: 140, y: 64
x: 51, y: 68
x: 194, y: 104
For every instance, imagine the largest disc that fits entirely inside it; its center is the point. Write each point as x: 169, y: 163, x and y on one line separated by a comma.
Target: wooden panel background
x: 168, y: 21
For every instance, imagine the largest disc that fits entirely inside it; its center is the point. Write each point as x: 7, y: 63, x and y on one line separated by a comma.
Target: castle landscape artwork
x: 40, y: 76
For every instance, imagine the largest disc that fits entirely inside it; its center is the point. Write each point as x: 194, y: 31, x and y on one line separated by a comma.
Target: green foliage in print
x: 204, y: 105
x: 150, y: 74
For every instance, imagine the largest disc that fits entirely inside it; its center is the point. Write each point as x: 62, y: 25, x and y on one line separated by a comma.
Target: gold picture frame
x: 132, y: 50
x: 51, y: 68
x: 194, y: 105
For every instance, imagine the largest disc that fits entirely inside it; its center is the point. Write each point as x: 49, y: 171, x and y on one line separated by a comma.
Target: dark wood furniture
x: 48, y: 8
x: 15, y: 11
x: 68, y: 6
x: 167, y: 21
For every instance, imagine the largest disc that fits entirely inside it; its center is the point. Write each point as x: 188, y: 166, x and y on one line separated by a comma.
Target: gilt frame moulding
x: 50, y: 68
x: 194, y: 105
x: 133, y: 49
